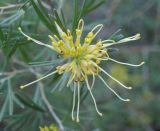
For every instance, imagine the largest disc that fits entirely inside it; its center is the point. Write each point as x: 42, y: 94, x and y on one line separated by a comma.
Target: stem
x: 49, y: 106
x: 10, y: 6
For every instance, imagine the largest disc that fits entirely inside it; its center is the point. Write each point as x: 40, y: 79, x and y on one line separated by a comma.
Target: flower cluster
x: 49, y: 128
x: 83, y: 58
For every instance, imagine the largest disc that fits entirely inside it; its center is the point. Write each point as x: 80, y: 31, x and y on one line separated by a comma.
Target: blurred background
x: 128, y: 17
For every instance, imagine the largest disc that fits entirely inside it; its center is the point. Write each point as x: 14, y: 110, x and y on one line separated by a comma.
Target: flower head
x: 83, y: 59
x: 49, y: 128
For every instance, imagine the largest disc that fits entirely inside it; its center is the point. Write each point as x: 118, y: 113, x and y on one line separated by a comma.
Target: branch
x: 49, y: 106
x: 10, y: 6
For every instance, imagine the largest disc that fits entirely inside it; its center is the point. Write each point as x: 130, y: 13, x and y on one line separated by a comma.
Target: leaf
x: 59, y: 22
x: 62, y: 82
x: 24, y: 54
x: 2, y: 38
x: 116, y: 36
x: 87, y: 7
x: 63, y: 18
x: 8, y: 106
x: 18, y: 102
x: 75, y: 17
x: 10, y: 98
x: 82, y: 9
x: 95, y: 6
x: 59, y: 82
x: 13, y: 50
x: 26, y: 5
x: 11, y: 19
x: 3, y: 109
x: 84, y: 93
x: 45, y: 63
x: 29, y: 102
x: 44, y: 17
x: 22, y: 120
x: 43, y: 10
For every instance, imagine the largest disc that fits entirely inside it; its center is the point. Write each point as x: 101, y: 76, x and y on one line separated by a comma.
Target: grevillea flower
x: 49, y: 128
x: 83, y: 58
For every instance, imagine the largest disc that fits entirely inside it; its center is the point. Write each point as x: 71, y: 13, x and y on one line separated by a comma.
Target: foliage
x: 21, y: 62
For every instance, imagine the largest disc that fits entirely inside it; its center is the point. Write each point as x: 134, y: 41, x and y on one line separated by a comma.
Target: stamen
x: 78, y: 103
x: 38, y: 79
x: 71, y: 79
x: 59, y: 29
x: 66, y: 42
x: 112, y: 90
x: 53, y: 39
x: 93, y: 81
x: 81, y: 24
x: 34, y: 40
x: 98, y: 28
x: 132, y: 38
x: 133, y: 65
x: 74, y: 98
x: 122, y: 63
x: 92, y: 97
x: 112, y: 77
x: 108, y: 41
x: 79, y: 32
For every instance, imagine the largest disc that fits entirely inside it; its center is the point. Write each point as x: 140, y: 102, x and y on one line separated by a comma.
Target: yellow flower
x: 50, y: 128
x: 83, y: 59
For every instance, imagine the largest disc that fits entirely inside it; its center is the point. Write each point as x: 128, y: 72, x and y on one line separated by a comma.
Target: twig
x: 14, y: 72
x: 9, y: 75
x: 49, y: 106
x: 6, y: 78
x: 10, y: 6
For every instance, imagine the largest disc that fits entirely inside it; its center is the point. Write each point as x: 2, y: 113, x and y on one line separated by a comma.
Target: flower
x: 49, y: 128
x: 83, y: 60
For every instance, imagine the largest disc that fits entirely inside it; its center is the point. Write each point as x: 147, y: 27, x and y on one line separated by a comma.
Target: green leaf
x: 8, y: 106
x: 18, y: 121
x: 75, y: 16
x: 24, y: 54
x: 59, y: 21
x: 61, y: 82
x: 10, y: 98
x: 44, y: 10
x: 3, y: 109
x: 11, y: 19
x: 43, y: 15
x: 64, y: 82
x: 88, y: 10
x: 63, y: 18
x: 116, y: 35
x: 13, y: 50
x: 2, y: 38
x: 82, y: 9
x: 21, y: 121
x: 45, y: 63
x: 29, y: 102
x: 84, y: 93
x: 26, y: 5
